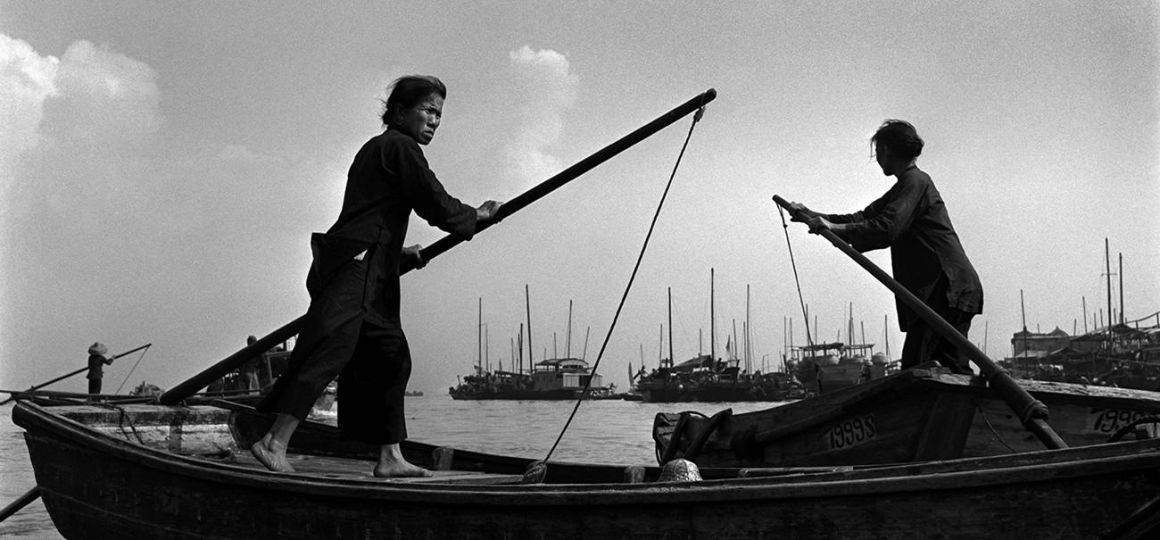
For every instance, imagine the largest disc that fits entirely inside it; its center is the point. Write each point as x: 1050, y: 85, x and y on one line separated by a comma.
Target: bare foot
x: 401, y: 469
x: 270, y: 457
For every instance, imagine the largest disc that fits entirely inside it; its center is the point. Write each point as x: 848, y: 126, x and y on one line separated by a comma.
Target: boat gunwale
x: 1072, y: 463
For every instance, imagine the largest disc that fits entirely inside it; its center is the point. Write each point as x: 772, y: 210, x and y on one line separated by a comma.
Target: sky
x: 163, y: 164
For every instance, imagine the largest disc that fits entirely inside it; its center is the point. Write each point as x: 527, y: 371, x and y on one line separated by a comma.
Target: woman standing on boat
x: 353, y: 326
x: 925, y: 251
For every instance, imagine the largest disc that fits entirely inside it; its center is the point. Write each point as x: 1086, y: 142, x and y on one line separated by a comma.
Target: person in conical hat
x: 97, y: 362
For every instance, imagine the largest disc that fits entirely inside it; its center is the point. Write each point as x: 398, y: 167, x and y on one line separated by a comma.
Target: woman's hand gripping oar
x: 1032, y: 412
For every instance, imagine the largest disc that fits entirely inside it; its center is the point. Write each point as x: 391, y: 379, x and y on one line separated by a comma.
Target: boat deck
x: 337, y: 467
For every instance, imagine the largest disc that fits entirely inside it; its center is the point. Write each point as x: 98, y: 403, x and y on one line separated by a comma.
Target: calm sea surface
x: 605, y: 431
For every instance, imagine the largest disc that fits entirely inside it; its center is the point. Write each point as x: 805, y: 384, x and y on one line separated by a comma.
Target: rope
x: 130, y: 374
x: 796, y: 280
x: 122, y: 420
x: 624, y: 297
x: 993, y: 431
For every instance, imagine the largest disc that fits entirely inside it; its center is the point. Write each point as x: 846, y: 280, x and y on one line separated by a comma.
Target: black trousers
x: 924, y: 344
x: 94, y: 386
x: 372, y: 364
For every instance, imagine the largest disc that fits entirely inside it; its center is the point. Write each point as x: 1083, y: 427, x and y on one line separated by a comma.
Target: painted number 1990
x: 851, y: 432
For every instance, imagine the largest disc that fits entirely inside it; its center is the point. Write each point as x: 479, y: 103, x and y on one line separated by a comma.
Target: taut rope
x: 540, y: 471
x: 805, y: 315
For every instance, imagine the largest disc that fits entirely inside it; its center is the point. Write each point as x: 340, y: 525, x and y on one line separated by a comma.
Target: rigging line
x: 130, y: 374
x: 632, y: 277
x: 796, y: 281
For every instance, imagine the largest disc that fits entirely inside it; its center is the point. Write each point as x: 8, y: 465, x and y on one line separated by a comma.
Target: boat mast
x: 1085, y: 326
x: 584, y: 356
x: 1023, y: 313
x: 1108, y: 265
x: 734, y: 351
x: 712, y: 324
x: 568, y: 339
x: 670, y: 326
x: 1121, y: 288
x: 479, y: 340
x: 528, y: 307
x: 661, y: 344
x: 748, y: 355
x: 886, y: 335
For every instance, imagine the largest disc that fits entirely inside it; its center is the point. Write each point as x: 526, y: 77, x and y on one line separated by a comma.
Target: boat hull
x: 561, y: 394
x: 103, y: 485
x: 915, y: 415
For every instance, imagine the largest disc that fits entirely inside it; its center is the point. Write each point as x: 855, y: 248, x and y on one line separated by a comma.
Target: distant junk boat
x: 551, y: 379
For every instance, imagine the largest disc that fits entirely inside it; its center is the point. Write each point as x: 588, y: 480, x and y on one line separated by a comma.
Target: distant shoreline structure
x: 414, y: 393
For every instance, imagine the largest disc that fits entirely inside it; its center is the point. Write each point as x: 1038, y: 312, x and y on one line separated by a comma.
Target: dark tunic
x: 912, y: 221
x: 388, y: 179
x: 352, y: 330
x: 97, y: 364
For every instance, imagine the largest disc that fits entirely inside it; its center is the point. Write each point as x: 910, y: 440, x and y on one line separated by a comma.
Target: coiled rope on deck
x: 537, y: 470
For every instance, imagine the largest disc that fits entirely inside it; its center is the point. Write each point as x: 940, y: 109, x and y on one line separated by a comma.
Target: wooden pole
x: 712, y: 324
x: 479, y: 340
x: 189, y: 387
x: 1031, y: 412
x: 1121, y: 277
x: 671, y: 358
x: 1108, y: 263
x: 528, y: 310
x: 24, y: 500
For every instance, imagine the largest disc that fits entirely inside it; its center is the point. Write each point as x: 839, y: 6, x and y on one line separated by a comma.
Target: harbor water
x: 603, y: 431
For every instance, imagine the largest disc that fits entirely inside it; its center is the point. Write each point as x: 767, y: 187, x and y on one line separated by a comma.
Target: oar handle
x: 182, y: 391
x: 1032, y: 412
x: 24, y: 500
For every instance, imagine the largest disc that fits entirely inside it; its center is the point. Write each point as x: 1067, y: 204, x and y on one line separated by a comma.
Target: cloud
x: 26, y: 81
x: 544, y: 88
x: 76, y: 128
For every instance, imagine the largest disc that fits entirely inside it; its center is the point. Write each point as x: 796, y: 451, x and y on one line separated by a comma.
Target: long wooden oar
x: 24, y: 500
x: 230, y: 363
x: 70, y: 374
x: 1031, y: 411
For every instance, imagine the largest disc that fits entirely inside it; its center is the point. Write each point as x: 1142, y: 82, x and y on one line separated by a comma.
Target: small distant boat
x: 413, y: 393
x: 829, y: 367
x: 155, y: 472
x: 704, y: 378
x: 552, y: 379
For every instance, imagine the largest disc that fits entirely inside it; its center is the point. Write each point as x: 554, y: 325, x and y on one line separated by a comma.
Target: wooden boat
x: 914, y: 415
x: 554, y: 379
x: 151, y: 471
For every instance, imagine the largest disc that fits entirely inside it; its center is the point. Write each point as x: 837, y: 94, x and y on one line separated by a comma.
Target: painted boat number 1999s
x: 851, y: 432
x: 1111, y: 420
